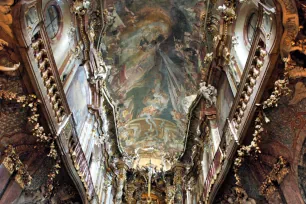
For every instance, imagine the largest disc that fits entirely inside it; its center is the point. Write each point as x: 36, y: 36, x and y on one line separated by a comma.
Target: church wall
x: 64, y: 42
x: 52, y: 70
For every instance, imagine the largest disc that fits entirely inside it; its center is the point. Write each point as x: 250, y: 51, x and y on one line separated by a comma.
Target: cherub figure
x: 209, y: 93
x: 4, y: 68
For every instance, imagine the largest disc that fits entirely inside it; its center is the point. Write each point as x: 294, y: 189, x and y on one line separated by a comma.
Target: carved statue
x: 109, y: 17
x: 226, y: 54
x: 208, y: 58
x: 209, y: 93
x: 79, y: 7
x: 229, y: 14
x: 102, y: 70
x: 3, y: 68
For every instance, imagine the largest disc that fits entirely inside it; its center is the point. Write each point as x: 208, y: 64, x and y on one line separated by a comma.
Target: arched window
x: 267, y: 23
x: 251, y: 26
x: 52, y: 22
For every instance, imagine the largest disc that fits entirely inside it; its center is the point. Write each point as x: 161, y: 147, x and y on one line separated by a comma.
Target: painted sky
x: 156, y: 55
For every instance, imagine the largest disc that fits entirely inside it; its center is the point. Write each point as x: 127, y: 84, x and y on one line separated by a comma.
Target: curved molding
x: 291, y: 26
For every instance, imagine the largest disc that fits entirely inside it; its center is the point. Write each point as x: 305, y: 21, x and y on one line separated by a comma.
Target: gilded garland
x: 276, y: 176
x: 252, y: 149
x: 280, y: 89
x: 12, y: 161
x: 13, y: 164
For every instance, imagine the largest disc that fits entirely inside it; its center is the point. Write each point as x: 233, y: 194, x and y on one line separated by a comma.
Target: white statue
x: 209, y: 93
x: 102, y: 70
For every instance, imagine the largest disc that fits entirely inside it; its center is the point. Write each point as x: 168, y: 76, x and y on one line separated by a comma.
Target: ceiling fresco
x: 156, y: 55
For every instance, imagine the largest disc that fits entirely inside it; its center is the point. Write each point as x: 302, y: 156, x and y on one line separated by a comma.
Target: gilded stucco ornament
x: 194, y: 151
x: 299, y: 45
x: 23, y: 178
x: 170, y: 193
x: 226, y: 54
x: 228, y: 13
x: 299, y: 93
x: 249, y: 150
x: 109, y: 18
x: 290, y: 22
x: 216, y: 40
x: 80, y: 7
x: 77, y: 51
x: 208, y: 58
x: 275, y: 177
x: 238, y: 196
x: 235, y: 41
x: 102, y: 70
x: 13, y: 164
x: 280, y: 89
x: 213, y: 24
x: 294, y: 70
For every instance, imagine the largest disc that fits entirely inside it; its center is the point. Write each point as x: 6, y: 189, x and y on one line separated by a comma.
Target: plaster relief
x: 6, y: 19
x: 291, y: 26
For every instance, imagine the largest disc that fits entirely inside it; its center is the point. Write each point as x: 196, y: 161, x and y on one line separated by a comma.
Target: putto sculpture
x: 79, y: 7
x: 228, y: 13
x: 209, y: 93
